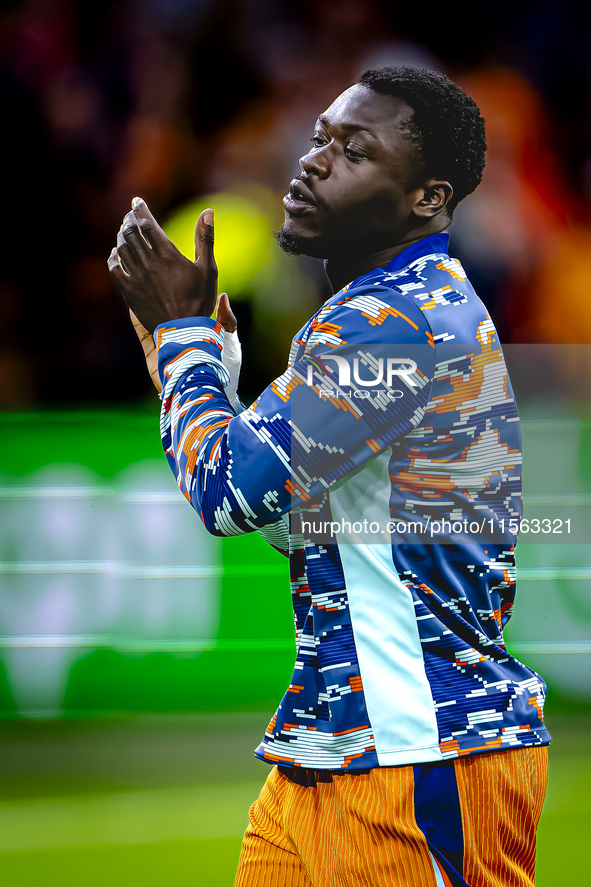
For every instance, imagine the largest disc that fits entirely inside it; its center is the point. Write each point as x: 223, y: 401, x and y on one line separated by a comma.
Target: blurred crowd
x: 189, y: 103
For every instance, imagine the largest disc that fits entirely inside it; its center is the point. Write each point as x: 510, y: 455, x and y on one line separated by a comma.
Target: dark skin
x: 360, y: 175
x: 356, y: 203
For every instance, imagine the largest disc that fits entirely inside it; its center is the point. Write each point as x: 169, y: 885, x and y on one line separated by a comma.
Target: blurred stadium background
x: 136, y: 670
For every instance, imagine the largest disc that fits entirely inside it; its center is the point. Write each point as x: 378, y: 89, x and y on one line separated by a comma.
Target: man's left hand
x: 223, y: 315
x: 155, y: 279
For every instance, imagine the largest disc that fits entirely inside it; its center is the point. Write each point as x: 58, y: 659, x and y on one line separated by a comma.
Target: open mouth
x: 298, y: 199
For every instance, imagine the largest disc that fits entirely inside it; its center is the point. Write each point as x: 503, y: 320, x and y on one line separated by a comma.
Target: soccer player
x: 409, y: 748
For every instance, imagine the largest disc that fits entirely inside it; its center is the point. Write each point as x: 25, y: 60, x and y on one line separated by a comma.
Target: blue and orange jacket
x: 398, y: 467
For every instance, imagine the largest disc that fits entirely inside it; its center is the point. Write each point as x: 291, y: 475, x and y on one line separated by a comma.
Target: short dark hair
x: 446, y: 124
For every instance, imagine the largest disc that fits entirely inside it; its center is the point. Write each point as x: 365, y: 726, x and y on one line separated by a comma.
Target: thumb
x: 225, y: 315
x: 145, y: 337
x: 149, y: 349
x: 204, y: 238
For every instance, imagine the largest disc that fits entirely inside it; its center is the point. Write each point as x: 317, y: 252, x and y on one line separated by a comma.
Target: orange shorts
x: 470, y: 821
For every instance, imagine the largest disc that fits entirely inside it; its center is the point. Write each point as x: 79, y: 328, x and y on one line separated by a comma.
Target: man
x: 409, y: 747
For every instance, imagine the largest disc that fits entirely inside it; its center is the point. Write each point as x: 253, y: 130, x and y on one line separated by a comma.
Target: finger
x: 225, y: 315
x: 114, y: 260
x: 131, y: 237
x: 204, y: 239
x: 126, y: 256
x: 149, y: 227
x: 118, y: 273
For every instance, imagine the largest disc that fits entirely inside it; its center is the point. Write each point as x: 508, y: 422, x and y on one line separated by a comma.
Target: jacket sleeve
x: 319, y: 421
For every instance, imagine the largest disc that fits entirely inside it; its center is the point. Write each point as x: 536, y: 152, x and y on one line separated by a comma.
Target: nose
x: 316, y: 162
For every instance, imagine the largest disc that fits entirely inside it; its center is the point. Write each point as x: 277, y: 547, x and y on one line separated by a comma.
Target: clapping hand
x: 155, y: 279
x: 159, y: 283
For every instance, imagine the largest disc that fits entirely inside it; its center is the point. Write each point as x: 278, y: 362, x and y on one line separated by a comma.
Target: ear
x: 432, y: 198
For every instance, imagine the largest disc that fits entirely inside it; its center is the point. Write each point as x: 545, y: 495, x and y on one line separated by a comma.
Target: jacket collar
x: 435, y: 243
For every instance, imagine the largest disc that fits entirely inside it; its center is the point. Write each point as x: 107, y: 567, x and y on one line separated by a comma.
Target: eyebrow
x: 349, y: 127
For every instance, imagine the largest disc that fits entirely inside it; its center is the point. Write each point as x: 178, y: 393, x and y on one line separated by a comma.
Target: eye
x: 318, y: 140
x: 353, y: 155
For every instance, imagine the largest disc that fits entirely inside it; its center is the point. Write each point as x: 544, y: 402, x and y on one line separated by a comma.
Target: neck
x: 342, y: 269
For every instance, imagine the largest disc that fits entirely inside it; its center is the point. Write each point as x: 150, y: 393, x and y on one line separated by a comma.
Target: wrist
x: 187, y: 323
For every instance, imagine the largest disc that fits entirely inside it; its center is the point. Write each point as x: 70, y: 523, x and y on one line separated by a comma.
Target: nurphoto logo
x: 399, y: 367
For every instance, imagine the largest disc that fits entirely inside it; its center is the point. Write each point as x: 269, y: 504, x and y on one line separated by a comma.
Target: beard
x: 294, y: 245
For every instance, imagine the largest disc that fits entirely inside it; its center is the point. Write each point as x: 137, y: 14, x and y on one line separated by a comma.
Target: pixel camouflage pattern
x: 452, y: 450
